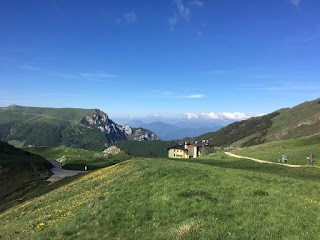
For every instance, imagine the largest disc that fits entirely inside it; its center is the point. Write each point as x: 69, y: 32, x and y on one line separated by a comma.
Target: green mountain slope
x: 79, y: 128
x: 19, y: 170
x: 299, y: 121
x: 76, y: 158
x: 296, y: 122
x: 213, y: 198
x: 296, y: 150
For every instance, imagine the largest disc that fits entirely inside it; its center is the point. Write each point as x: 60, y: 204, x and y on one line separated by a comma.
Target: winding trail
x: 264, y: 161
x: 59, y: 172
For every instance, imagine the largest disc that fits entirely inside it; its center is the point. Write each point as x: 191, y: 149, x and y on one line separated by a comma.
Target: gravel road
x: 59, y: 172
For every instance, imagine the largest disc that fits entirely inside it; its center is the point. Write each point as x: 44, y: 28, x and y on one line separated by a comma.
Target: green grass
x: 43, y: 114
x: 289, y: 118
x: 16, y: 143
x: 297, y: 150
x: 211, y: 198
x: 76, y: 158
x: 22, y: 172
x: 33, y: 190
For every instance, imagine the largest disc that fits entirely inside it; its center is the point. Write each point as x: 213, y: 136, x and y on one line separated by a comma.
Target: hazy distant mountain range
x: 180, y: 130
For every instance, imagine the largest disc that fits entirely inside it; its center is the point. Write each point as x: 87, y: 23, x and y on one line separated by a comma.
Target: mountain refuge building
x: 191, y: 149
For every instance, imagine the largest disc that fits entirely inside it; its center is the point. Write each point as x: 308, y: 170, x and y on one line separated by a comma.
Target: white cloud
x: 199, y: 34
x: 295, y: 2
x: 31, y: 68
x: 60, y: 94
x: 171, y: 95
x: 228, y: 116
x: 196, y: 96
x: 172, y: 22
x: 128, y: 17
x: 196, y: 3
x: 181, y: 12
x: 192, y: 116
x: 98, y: 76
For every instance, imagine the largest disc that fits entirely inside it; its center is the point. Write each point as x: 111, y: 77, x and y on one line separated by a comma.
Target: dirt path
x: 263, y: 161
x: 59, y: 172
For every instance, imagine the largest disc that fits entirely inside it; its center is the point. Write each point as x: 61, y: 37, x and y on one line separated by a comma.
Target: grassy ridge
x: 44, y: 114
x: 255, y: 127
x: 299, y: 121
x: 297, y: 150
x: 214, y: 198
x: 76, y: 158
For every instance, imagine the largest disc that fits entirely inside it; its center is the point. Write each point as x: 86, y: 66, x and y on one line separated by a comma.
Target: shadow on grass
x: 40, y: 188
x: 304, y: 173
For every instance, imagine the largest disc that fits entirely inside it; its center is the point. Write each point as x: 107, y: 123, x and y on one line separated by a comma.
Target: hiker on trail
x: 311, y: 158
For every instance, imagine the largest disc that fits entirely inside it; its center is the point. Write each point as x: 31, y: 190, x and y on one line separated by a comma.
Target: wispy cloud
x: 30, y: 68
x: 60, y: 94
x: 195, y: 96
x: 99, y: 76
x: 180, y: 12
x: 172, y: 22
x: 196, y: 3
x: 295, y: 2
x: 183, y: 11
x: 172, y: 95
x: 128, y: 17
x: 216, y: 72
x: 199, y: 34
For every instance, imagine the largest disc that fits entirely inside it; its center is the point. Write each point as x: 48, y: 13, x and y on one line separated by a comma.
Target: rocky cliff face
x: 115, y: 132
x: 141, y: 134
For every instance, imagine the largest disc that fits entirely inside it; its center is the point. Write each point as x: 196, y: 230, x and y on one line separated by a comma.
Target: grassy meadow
x: 77, y: 158
x: 297, y: 150
x: 217, y: 197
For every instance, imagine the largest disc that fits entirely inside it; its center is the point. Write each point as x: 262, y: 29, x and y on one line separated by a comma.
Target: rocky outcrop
x: 141, y: 134
x: 115, y: 132
x: 112, y: 150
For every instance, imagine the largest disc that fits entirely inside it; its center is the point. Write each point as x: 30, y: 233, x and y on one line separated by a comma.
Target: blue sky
x: 197, y: 59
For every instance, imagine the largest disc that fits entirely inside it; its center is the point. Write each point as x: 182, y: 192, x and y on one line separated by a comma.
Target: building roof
x: 193, y: 143
x: 180, y: 147
x: 200, y: 143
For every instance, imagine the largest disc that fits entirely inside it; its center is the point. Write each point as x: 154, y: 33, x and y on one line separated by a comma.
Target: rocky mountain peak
x: 12, y: 107
x: 115, y: 132
x: 97, y: 118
